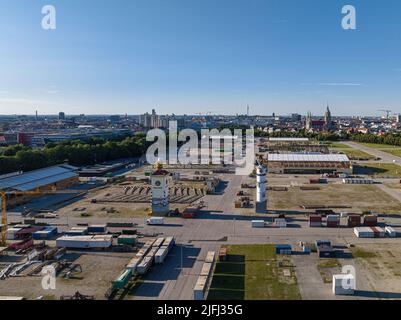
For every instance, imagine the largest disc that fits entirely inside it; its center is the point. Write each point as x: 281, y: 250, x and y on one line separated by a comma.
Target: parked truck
x: 155, y: 221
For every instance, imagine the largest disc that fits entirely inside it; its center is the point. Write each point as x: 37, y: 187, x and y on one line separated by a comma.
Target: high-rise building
x: 61, y: 116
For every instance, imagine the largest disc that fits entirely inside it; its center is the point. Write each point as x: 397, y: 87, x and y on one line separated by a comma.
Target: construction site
x: 200, y: 232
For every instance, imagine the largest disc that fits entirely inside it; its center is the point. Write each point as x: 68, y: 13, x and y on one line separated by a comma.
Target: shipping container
x: 210, y: 257
x: 169, y: 242
x: 161, y: 254
x: 280, y: 223
x: 200, y: 288
x: 319, y: 243
x: 378, y: 232
x: 158, y: 243
x: 391, y: 232
x: 258, y: 224
x: 12, y: 233
x: 99, y: 228
x: 46, y: 234
x: 354, y: 221
x: 76, y: 231
x: 85, y: 242
x: 123, y: 279
x: 127, y: 240
x: 206, y: 269
x: 133, y: 264
x: 283, y: 249
x: 325, y: 251
x: 155, y: 221
x: 144, y: 266
x: 370, y: 220
x: 364, y: 232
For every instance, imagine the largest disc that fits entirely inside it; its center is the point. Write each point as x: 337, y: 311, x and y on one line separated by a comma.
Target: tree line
x: 78, y: 153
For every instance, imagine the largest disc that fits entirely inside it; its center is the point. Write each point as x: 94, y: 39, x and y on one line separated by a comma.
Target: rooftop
x: 38, y: 178
x: 309, y: 157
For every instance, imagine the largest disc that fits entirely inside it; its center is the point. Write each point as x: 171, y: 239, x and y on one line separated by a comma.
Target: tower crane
x: 387, y: 112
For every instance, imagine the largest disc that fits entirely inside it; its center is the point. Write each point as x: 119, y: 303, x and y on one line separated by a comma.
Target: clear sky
x: 191, y: 56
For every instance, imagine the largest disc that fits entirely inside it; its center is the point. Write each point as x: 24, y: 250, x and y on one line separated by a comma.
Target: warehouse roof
x: 309, y: 157
x: 289, y: 139
x: 37, y: 178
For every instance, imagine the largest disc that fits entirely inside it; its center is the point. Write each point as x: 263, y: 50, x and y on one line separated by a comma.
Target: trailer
x: 258, y: 223
x: 161, y: 254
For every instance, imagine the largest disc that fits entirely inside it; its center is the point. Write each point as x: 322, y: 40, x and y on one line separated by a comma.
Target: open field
x: 354, y: 154
x: 379, y: 170
x: 252, y: 272
x: 358, y: 197
x: 379, y: 265
x: 338, y: 145
x: 98, y: 270
x: 379, y: 146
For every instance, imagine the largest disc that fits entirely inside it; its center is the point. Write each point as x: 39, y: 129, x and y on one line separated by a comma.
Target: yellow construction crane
x: 37, y: 192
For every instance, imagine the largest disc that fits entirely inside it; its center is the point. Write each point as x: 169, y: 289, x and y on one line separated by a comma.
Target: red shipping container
x: 333, y: 224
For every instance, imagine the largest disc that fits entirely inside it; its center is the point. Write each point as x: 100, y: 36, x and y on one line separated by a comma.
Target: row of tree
x: 16, y: 158
x: 388, y: 139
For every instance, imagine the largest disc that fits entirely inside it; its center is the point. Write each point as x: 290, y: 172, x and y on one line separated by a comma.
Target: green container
x: 122, y: 280
x: 127, y: 239
x: 147, y: 174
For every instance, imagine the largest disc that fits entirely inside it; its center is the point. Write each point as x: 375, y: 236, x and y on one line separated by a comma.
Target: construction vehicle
x: 37, y: 192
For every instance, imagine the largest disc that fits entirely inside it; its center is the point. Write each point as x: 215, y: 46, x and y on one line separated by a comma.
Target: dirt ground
x: 89, y: 282
x: 358, y: 197
x: 380, y: 266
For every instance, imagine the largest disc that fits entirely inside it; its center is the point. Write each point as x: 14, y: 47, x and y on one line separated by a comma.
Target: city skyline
x: 128, y: 57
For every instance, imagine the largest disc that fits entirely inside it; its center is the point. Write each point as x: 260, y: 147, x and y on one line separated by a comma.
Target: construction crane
x: 387, y: 112
x: 37, y: 192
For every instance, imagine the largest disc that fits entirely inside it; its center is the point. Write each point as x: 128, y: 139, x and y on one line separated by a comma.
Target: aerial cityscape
x: 201, y: 160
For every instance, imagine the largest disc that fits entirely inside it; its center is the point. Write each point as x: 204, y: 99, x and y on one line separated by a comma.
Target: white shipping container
x: 258, y: 224
x: 280, y: 223
x: 210, y: 256
x: 343, y: 284
x: 85, y: 242
x: 12, y: 233
x: 364, y: 232
x: 158, y: 242
x: 161, y: 255
x: 155, y: 221
x: 200, y: 288
x: 144, y: 266
x: 391, y: 232
x: 133, y: 264
x: 206, y: 269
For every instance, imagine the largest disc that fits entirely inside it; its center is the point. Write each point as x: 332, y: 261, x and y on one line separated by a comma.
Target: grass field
x: 380, y: 170
x: 379, y: 146
x: 338, y: 145
x: 254, y: 272
x: 354, y: 154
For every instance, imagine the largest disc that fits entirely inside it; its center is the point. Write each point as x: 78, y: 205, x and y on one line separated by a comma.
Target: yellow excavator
x: 37, y: 192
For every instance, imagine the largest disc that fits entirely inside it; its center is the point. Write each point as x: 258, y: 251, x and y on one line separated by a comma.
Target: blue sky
x: 191, y: 56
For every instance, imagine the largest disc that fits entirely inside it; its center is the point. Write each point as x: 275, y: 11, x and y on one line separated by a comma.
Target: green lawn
x: 380, y: 170
x: 379, y: 146
x: 338, y: 145
x: 354, y: 154
x: 252, y: 273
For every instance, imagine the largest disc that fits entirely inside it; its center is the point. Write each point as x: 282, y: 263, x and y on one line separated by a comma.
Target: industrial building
x: 57, y: 177
x: 309, y: 163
